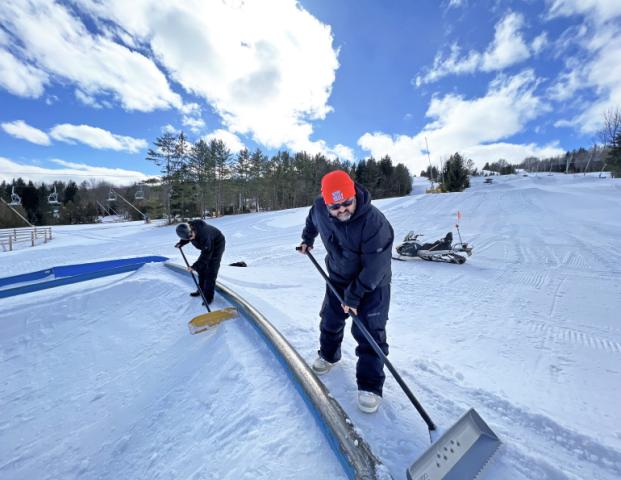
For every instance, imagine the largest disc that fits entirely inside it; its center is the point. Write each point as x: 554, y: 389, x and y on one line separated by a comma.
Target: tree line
x: 207, y: 178
x: 598, y: 158
x: 453, y: 175
x: 579, y: 160
x: 62, y: 203
x: 200, y: 179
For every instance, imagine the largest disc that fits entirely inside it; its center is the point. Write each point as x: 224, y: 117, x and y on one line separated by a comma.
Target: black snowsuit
x: 358, y: 260
x: 210, y: 241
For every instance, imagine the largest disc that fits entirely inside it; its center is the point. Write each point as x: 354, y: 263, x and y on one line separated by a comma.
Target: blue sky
x: 86, y: 86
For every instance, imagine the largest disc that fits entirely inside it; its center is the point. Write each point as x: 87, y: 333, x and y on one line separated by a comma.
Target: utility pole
x: 145, y: 218
x: 570, y: 160
x: 590, y: 158
x: 430, y: 168
x: 16, y: 212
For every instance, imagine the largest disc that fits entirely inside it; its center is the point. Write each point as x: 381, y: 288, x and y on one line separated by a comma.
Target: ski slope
x: 101, y: 379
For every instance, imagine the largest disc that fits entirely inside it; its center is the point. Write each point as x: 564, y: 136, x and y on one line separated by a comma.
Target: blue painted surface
x: 67, y: 274
x: 25, y: 277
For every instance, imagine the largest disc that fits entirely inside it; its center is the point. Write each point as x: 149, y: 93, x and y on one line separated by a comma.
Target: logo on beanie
x: 337, y: 196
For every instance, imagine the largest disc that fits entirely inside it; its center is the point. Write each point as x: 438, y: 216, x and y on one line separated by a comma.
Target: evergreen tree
x: 70, y: 193
x: 455, y: 174
x: 384, y: 184
x: 242, y: 169
x: 202, y: 168
x: 258, y: 172
x: 170, y: 153
x: 402, y: 181
x: 614, y: 156
x: 222, y: 159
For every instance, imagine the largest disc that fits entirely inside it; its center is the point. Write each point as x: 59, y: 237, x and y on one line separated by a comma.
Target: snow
x: 102, y: 380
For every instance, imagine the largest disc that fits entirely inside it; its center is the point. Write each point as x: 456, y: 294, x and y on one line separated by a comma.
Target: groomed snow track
x: 351, y: 449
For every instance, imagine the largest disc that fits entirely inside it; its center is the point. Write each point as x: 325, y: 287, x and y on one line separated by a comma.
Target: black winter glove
x: 181, y: 243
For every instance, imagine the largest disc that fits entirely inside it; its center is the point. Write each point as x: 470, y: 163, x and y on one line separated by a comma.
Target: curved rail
x: 351, y: 449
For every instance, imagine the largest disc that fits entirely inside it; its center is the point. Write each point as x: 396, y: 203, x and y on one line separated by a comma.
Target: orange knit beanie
x: 336, y: 187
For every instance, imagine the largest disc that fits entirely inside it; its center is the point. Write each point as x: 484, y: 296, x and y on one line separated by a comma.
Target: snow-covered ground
x: 102, y: 380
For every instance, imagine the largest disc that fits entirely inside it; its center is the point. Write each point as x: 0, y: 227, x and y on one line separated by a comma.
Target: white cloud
x: 568, y: 82
x: 194, y: 124
x: 168, y: 128
x: 92, y: 136
x: 267, y: 68
x: 232, y: 141
x: 539, y: 43
x: 451, y: 65
x: 343, y: 152
x: 21, y: 78
x: 86, y: 99
x: 475, y: 128
x: 508, y: 48
x: 96, y: 138
x: 595, y: 70
x: 78, y: 172
x: 600, y: 11
x: 21, y: 129
x: 192, y: 109
x: 48, y: 35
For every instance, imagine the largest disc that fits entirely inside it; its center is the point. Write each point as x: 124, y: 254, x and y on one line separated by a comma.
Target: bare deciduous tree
x: 612, y: 126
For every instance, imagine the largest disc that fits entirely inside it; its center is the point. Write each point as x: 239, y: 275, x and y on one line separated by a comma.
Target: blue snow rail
x: 67, y: 274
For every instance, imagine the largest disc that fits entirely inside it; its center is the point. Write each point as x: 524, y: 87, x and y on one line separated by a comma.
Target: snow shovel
x: 210, y: 319
x: 462, y: 451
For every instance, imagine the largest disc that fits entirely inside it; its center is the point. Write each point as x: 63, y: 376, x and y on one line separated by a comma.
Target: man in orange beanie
x: 358, y: 240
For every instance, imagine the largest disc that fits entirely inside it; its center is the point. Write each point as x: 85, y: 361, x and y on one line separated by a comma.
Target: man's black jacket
x: 359, y: 249
x: 209, y: 240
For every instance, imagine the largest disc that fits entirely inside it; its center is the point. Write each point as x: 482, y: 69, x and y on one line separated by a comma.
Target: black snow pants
x: 373, y: 313
x: 208, y: 272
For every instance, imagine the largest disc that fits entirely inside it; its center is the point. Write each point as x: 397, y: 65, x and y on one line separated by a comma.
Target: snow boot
x: 368, y: 402
x: 195, y: 294
x: 321, y: 366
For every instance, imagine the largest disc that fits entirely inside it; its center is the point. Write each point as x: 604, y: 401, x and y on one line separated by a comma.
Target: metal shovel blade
x: 207, y: 320
x: 459, y: 454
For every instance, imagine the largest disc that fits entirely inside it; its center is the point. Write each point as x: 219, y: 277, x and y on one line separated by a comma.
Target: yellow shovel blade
x: 211, y: 319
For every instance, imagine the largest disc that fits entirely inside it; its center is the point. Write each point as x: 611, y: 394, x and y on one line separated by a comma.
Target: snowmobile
x: 443, y: 250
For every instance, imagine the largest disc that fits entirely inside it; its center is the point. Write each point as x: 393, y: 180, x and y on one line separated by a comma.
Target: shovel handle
x: 430, y: 425
x: 194, y: 278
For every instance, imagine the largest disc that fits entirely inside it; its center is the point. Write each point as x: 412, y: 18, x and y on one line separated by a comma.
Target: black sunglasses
x: 346, y: 203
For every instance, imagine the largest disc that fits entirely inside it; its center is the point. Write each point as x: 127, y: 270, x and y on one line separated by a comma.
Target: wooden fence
x: 10, y: 236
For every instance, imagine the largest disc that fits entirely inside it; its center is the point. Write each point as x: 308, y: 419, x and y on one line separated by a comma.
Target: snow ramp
x: 101, y: 380
x: 351, y: 449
